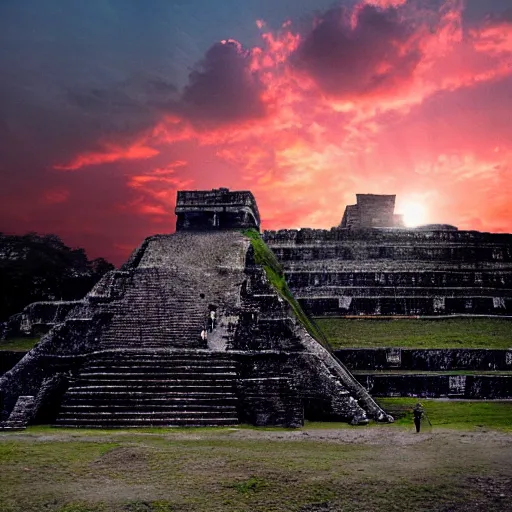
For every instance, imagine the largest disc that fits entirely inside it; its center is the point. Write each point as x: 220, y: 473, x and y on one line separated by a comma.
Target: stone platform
x: 396, y: 272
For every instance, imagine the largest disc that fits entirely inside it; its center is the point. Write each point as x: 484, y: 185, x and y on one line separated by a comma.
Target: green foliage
x: 264, y: 256
x: 253, y: 484
x: 413, y: 333
x: 18, y: 344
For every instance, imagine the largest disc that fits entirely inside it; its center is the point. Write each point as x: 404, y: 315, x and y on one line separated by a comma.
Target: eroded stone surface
x: 410, y: 272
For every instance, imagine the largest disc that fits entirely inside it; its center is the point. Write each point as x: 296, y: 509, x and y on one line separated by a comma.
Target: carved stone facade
x: 221, y: 208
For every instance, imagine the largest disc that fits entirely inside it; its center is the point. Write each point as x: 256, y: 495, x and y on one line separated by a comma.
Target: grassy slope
x: 267, y: 259
x: 18, y: 344
x: 452, y: 414
x: 444, y: 333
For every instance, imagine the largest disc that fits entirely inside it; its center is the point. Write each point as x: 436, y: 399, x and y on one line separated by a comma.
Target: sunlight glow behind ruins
x: 414, y: 213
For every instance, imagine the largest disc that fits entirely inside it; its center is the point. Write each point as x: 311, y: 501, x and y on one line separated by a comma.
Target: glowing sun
x: 414, y: 214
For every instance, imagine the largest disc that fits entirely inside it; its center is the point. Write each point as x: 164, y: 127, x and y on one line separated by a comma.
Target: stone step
x: 168, y: 377
x: 143, y: 405
x: 158, y: 331
x: 149, y: 324
x: 187, y: 359
x: 150, y: 342
x: 165, y: 371
x: 150, y: 387
x: 153, y: 368
x: 148, y: 422
x: 170, y: 374
x: 151, y: 398
x: 154, y: 335
x: 112, y: 393
x: 168, y: 382
x: 178, y: 413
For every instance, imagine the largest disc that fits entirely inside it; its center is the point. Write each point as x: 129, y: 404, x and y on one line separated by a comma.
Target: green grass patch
x: 413, y: 333
x: 19, y: 344
x: 264, y: 256
x: 66, y: 470
x: 253, y: 484
x: 453, y: 414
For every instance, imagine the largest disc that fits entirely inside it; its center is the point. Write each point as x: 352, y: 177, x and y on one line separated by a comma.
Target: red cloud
x: 110, y: 154
x: 156, y: 190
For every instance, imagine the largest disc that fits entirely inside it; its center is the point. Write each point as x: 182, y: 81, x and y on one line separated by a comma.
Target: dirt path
x: 378, y: 436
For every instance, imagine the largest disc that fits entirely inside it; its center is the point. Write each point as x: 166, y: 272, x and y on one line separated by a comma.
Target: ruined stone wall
x: 426, y: 359
x: 490, y: 387
x: 38, y: 318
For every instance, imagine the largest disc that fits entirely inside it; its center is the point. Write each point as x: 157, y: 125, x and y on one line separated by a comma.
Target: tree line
x: 37, y: 267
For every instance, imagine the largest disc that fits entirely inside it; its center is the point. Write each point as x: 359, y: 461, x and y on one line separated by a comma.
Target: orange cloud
x: 156, y: 190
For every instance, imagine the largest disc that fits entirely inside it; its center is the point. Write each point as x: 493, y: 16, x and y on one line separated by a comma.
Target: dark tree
x: 41, y: 267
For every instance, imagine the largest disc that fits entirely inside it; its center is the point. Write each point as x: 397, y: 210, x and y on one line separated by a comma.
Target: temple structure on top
x: 372, y: 211
x: 216, y: 209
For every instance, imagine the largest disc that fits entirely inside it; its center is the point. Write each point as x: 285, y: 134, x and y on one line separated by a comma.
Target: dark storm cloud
x: 125, y: 109
x: 376, y: 54
x: 476, y: 10
x: 222, y: 88
x: 75, y: 74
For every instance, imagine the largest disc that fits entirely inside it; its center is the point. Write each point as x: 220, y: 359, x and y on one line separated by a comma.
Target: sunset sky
x: 108, y: 107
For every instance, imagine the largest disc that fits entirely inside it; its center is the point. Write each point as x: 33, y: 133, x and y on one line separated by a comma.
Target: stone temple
x: 189, y: 331
x: 370, y: 265
x: 372, y: 211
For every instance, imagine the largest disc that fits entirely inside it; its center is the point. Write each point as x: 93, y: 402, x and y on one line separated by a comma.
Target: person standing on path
x: 418, y: 415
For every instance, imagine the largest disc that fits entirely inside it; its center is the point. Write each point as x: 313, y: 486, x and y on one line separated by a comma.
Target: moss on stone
x: 264, y: 256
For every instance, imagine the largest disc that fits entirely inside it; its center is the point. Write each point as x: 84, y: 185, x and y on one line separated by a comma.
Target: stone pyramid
x: 188, y: 332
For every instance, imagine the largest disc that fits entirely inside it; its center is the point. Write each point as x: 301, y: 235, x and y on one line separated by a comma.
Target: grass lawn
x: 411, y: 333
x: 18, y: 344
x: 463, y: 414
x: 321, y: 468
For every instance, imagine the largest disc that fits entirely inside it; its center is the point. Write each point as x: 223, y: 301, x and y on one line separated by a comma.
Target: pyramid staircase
x: 146, y: 389
x: 159, y: 309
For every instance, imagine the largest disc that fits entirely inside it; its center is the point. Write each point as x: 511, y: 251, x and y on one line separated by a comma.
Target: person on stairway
x: 213, y: 320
